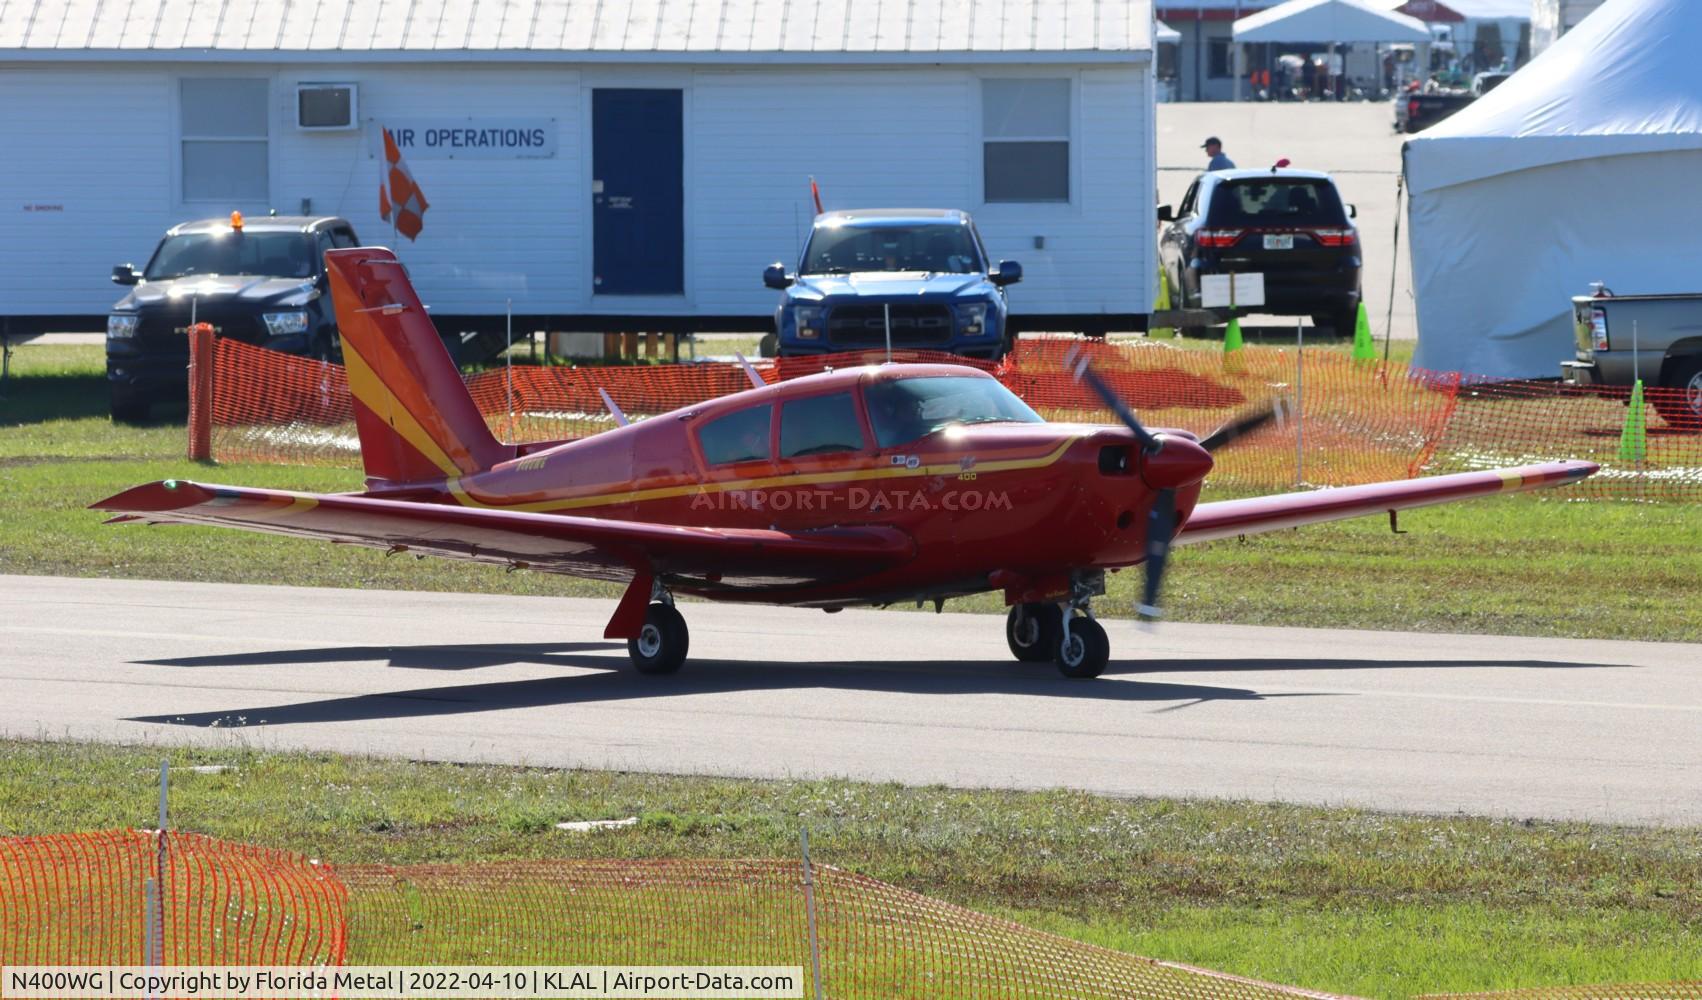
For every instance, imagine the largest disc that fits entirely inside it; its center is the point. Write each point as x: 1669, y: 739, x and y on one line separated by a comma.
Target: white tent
x: 1584, y: 166
x: 1162, y: 32
x: 1341, y: 22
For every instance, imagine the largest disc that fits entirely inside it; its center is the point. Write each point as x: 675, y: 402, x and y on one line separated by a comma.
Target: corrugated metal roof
x: 625, y: 30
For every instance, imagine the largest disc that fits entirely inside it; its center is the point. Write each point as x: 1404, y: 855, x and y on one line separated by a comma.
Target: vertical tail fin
x: 415, y: 417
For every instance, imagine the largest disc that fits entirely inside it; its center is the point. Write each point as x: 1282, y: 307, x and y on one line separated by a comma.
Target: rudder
x: 415, y: 418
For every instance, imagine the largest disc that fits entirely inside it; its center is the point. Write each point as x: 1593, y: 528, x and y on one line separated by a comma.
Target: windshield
x: 942, y: 249
x: 1277, y: 202
x: 908, y: 409
x: 277, y: 255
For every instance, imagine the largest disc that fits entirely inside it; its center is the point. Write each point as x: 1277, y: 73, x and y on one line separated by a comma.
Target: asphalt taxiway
x: 1518, y: 727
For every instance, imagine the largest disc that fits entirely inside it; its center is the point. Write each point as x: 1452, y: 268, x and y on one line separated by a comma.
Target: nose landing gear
x: 1064, y: 633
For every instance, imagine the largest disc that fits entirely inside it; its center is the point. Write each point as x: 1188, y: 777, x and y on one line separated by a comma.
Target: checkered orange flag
x: 409, y: 202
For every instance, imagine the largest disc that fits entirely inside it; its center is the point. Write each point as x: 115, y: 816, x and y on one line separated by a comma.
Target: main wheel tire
x: 1683, y: 412
x: 662, y: 643
x: 1086, y: 652
x: 1033, y: 631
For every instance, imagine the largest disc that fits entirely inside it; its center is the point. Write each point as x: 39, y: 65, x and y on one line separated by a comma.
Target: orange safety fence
x: 875, y: 940
x: 1631, y: 991
x: 1357, y: 422
x: 81, y: 899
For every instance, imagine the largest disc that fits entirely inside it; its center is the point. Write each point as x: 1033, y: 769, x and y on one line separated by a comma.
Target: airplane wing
x: 1229, y: 518
x: 580, y: 546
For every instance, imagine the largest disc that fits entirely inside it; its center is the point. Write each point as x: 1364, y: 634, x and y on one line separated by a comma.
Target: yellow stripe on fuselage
x: 559, y: 504
x: 1510, y: 480
x: 366, y: 386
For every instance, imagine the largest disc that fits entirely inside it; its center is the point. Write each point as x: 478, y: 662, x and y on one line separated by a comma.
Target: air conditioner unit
x: 324, y: 107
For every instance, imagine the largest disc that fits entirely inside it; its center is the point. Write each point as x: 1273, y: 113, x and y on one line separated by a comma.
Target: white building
x: 585, y: 160
x: 1552, y: 18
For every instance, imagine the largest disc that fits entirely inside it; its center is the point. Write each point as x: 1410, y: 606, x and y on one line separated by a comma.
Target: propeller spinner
x: 1168, y: 463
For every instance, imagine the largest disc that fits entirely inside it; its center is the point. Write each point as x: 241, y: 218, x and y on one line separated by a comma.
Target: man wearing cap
x: 1214, y: 149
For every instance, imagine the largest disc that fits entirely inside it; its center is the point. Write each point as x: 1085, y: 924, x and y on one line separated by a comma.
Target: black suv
x: 1288, y: 225
x: 260, y: 280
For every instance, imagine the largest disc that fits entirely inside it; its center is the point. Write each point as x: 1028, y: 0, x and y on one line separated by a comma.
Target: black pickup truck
x: 1420, y: 109
x: 258, y: 280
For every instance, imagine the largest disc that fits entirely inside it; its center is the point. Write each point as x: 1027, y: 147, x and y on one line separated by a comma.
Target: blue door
x: 637, y: 192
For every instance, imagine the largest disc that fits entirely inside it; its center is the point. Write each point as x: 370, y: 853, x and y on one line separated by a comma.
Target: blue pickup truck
x: 920, y: 274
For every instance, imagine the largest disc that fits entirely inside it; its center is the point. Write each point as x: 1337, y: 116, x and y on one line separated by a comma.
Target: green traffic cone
x: 1162, y: 305
x: 1232, y: 345
x: 1633, y: 439
x: 1232, y: 335
x: 1363, y: 349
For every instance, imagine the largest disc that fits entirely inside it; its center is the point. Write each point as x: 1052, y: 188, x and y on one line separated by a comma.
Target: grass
x: 1338, y: 900
x: 1516, y: 565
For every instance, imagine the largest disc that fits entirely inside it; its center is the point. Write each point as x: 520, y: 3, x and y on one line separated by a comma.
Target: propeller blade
x: 1160, y: 528
x: 1085, y: 373
x: 1243, y: 425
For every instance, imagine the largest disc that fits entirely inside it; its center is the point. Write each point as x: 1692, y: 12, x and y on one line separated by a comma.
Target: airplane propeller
x: 1169, y: 462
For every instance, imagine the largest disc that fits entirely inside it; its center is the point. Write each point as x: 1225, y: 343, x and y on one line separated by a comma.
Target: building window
x: 1220, y: 63
x: 224, y: 127
x: 1025, y: 125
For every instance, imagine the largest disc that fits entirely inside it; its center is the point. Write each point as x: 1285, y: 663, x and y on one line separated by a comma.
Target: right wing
x: 1229, y: 518
x: 749, y: 558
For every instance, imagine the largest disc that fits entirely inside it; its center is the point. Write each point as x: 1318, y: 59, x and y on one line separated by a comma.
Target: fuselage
x: 1000, y: 503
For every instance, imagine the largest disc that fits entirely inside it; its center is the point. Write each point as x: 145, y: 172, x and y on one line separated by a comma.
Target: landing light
x: 236, y: 221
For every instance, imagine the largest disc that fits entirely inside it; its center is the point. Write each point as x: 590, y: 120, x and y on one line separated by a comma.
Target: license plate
x: 1279, y: 241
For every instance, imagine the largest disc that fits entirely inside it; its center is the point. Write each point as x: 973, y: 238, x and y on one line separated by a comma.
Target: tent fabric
x: 1429, y: 11
x: 1584, y: 166
x: 1162, y: 32
x: 1340, y: 21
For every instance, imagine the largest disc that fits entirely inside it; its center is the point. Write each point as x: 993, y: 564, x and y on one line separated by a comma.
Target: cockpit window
x: 737, y: 437
x: 939, y: 248
x: 820, y: 425
x: 908, y: 409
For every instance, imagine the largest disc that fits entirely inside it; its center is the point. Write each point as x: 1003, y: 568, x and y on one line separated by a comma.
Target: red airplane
x: 864, y: 486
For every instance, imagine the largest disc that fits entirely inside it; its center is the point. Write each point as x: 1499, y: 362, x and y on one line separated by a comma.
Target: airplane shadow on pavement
x: 614, y: 681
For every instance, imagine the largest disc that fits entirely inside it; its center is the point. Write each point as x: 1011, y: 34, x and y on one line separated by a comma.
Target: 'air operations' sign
x: 466, y: 138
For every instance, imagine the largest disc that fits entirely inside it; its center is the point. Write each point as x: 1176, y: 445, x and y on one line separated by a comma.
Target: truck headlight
x: 279, y: 324
x: 807, y: 321
x: 122, y: 325
x: 972, y: 319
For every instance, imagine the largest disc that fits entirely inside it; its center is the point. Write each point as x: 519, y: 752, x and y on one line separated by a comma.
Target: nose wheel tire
x: 1033, y: 631
x: 1086, y: 652
x: 662, y: 643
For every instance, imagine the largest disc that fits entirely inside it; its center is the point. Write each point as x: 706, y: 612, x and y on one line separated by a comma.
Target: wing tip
x: 166, y: 494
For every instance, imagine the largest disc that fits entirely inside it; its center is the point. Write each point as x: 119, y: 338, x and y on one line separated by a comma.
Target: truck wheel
x: 1681, y: 405
x: 769, y: 345
x: 128, y: 408
x: 327, y: 346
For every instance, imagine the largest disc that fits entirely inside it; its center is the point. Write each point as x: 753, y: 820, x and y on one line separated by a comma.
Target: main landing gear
x: 662, y: 642
x: 1056, y: 632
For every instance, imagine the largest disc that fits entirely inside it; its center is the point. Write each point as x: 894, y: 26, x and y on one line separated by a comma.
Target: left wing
x: 1228, y: 518
x: 580, y: 546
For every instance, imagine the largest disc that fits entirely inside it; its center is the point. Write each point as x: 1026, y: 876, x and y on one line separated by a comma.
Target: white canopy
x: 1341, y: 21
x: 1584, y: 166
x: 1162, y: 32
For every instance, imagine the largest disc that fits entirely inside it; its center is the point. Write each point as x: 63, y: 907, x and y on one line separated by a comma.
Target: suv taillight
x: 1218, y: 237
x: 1412, y: 108
x: 1336, y: 237
x: 1598, y: 325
